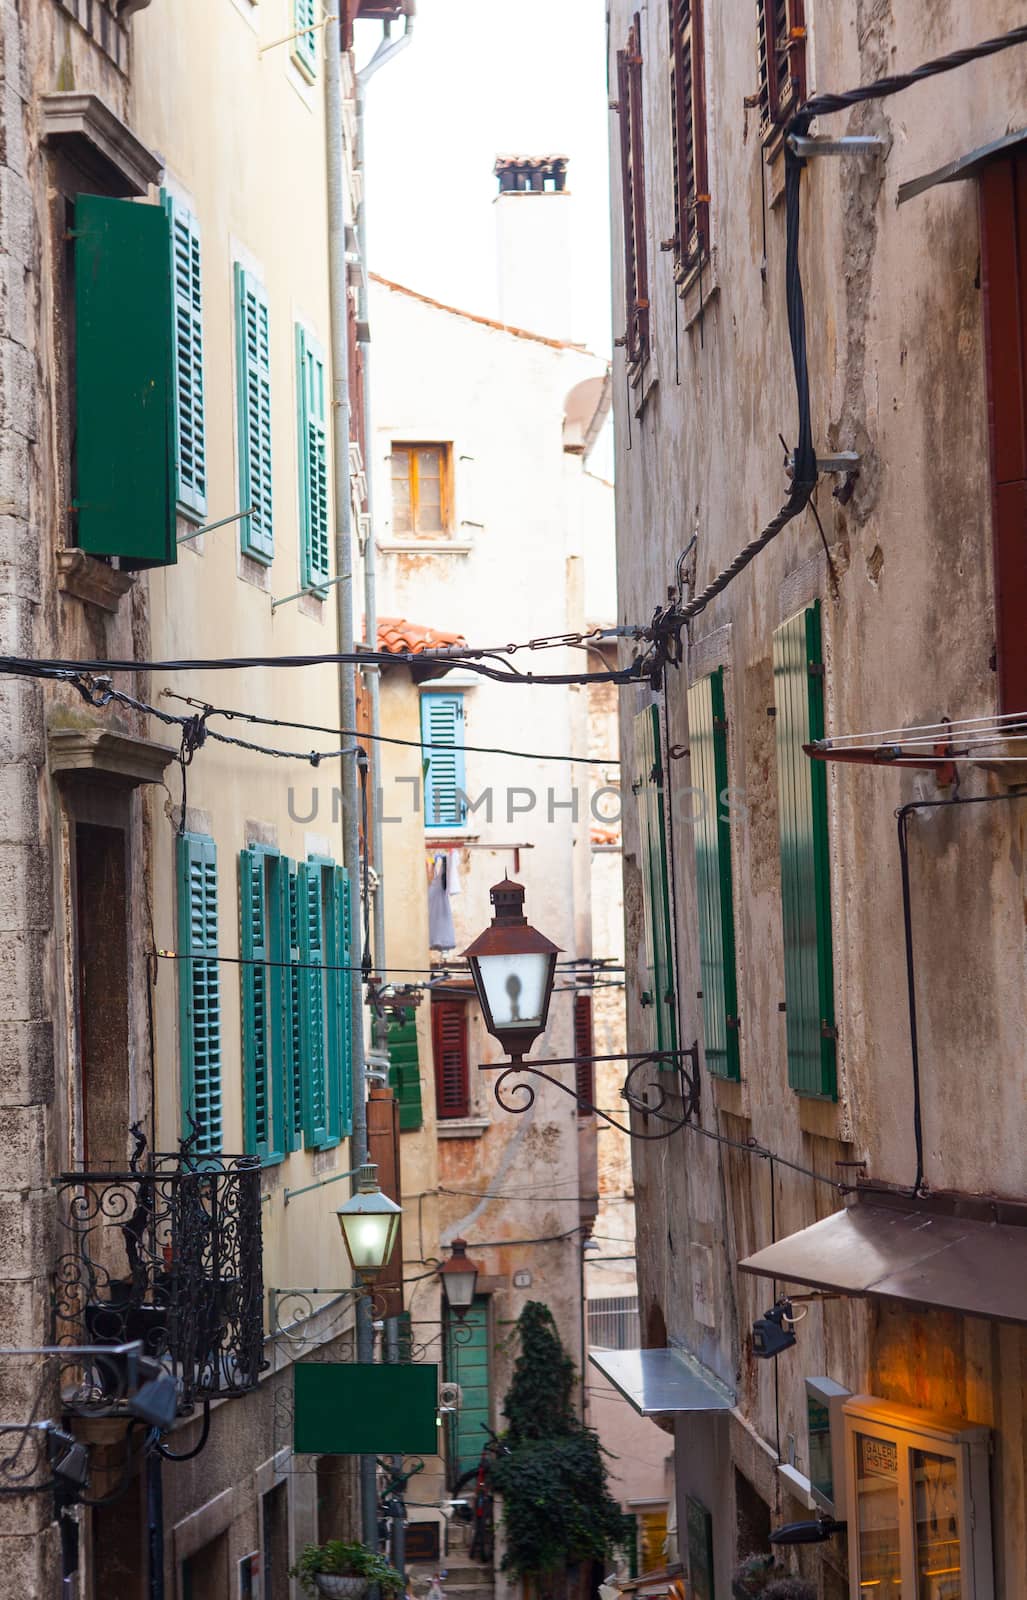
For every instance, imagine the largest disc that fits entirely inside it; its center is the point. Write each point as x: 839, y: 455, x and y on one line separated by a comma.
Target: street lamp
x: 369, y: 1221
x: 512, y: 965
x: 459, y: 1279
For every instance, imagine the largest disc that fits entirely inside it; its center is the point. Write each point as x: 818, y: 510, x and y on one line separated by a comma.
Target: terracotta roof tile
x: 399, y: 637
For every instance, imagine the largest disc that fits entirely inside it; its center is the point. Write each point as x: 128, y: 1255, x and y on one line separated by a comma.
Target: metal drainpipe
x: 387, y: 50
x: 339, y: 299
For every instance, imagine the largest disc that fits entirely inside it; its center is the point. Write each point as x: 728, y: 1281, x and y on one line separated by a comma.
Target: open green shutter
x: 405, y: 1069
x: 292, y: 1088
x: 315, y: 562
x: 805, y: 860
x: 344, y: 949
x: 304, y: 45
x: 124, y: 491
x: 264, y: 1012
x: 658, y: 995
x: 253, y: 397
x: 312, y: 1004
x: 199, y: 989
x: 707, y: 743
x: 187, y: 344
x: 442, y: 732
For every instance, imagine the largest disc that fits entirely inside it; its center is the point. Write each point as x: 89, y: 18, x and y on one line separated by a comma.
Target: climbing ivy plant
x: 557, y: 1505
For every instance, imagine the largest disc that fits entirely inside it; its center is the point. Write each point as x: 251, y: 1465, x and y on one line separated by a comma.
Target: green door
x: 467, y: 1363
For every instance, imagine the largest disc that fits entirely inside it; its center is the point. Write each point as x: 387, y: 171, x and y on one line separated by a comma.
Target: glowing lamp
x: 369, y: 1221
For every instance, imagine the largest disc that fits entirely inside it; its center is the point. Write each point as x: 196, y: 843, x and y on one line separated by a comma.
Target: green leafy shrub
x: 344, y: 1559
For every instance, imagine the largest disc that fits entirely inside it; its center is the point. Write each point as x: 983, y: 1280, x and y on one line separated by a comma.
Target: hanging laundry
x: 441, y: 933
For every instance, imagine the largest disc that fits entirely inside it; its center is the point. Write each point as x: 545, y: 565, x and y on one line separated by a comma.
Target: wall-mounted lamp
x: 369, y: 1221
x: 459, y: 1279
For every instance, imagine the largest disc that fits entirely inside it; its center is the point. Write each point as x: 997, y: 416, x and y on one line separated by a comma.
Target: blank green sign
x: 344, y: 1408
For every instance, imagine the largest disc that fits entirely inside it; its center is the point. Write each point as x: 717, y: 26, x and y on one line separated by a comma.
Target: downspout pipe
x: 387, y: 50
x: 339, y: 301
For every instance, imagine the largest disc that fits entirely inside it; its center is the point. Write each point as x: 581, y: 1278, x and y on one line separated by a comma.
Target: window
x: 917, y: 1502
x: 421, y: 485
x: 442, y: 736
x: 688, y: 128
x: 707, y: 740
x: 1003, y: 201
x: 322, y: 896
x: 782, y: 60
x: 315, y: 564
x: 404, y: 1069
x: 124, y: 497
x: 305, y: 16
x: 263, y: 912
x: 805, y: 857
x: 253, y: 402
x: 199, y: 990
x: 449, y: 1049
x: 632, y: 168
x: 647, y: 786
x: 584, y: 1045
x: 103, y: 1004
x: 187, y: 349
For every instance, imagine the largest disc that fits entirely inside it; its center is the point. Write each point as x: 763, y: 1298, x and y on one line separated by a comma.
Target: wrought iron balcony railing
x: 167, y: 1253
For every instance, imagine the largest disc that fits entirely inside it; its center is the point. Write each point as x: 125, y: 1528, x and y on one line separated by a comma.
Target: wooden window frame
x: 450, y: 1105
x: 781, y: 93
x: 632, y: 167
x: 410, y: 447
x: 691, y: 240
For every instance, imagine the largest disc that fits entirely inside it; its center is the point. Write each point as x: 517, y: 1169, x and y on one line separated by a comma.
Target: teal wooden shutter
x: 187, y: 348
x: 304, y: 45
x: 467, y: 1363
x: 658, y: 996
x: 805, y: 860
x: 264, y: 1013
x: 123, y: 469
x: 344, y: 957
x: 253, y: 397
x: 338, y: 1058
x: 707, y: 743
x: 199, y: 989
x: 405, y: 1069
x: 442, y: 733
x: 312, y: 1004
x: 315, y: 564
x: 293, y: 1049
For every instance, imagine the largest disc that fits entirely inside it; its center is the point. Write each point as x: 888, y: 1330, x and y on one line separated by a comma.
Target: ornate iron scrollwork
x: 652, y: 1097
x: 168, y: 1253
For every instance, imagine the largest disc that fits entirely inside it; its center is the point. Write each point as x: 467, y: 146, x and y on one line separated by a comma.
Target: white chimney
x: 533, y: 242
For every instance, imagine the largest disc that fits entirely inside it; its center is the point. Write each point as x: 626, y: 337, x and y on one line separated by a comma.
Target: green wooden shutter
x: 405, y: 1069
x: 707, y: 743
x: 315, y: 564
x: 658, y: 995
x: 187, y: 345
x: 442, y: 732
x: 304, y: 46
x: 295, y: 977
x: 123, y: 470
x: 805, y: 860
x: 312, y: 1004
x: 339, y: 1054
x: 199, y: 989
x: 265, y: 1013
x: 253, y: 398
x: 344, y: 957
x: 467, y: 1363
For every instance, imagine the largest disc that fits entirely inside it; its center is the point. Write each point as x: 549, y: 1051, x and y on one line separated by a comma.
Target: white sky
x: 482, y: 78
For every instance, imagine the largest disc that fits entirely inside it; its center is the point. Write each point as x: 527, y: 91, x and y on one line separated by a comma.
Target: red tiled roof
x: 400, y: 637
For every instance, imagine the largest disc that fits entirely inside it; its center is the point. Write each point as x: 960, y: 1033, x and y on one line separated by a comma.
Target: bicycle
x: 482, y: 1509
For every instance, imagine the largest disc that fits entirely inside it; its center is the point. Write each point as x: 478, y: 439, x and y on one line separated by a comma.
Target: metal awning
x: 655, y: 1381
x: 908, y: 1253
x: 965, y: 167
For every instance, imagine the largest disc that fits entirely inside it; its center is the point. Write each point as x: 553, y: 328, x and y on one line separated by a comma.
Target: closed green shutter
x: 442, y: 733
x: 405, y: 1069
x: 304, y: 45
x: 335, y: 885
x: 253, y: 397
x: 264, y: 1010
x: 293, y: 1085
x: 805, y: 860
x: 315, y: 565
x: 187, y: 342
x: 199, y: 989
x: 707, y: 743
x: 123, y: 470
x: 312, y: 1004
x: 467, y: 1363
x: 658, y: 995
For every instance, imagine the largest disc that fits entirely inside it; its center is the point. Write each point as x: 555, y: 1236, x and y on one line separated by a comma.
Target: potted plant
x: 347, y: 1570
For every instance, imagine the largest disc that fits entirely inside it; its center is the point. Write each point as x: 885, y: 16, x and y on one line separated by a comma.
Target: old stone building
x: 854, y: 1154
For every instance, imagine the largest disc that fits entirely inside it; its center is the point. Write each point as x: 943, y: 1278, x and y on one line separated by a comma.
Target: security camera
x: 769, y: 1334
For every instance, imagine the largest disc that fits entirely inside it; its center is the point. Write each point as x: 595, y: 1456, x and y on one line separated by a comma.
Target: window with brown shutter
x: 449, y: 1049
x: 584, y: 1045
x: 781, y: 38
x: 1003, y: 201
x: 632, y: 169
x: 688, y: 119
